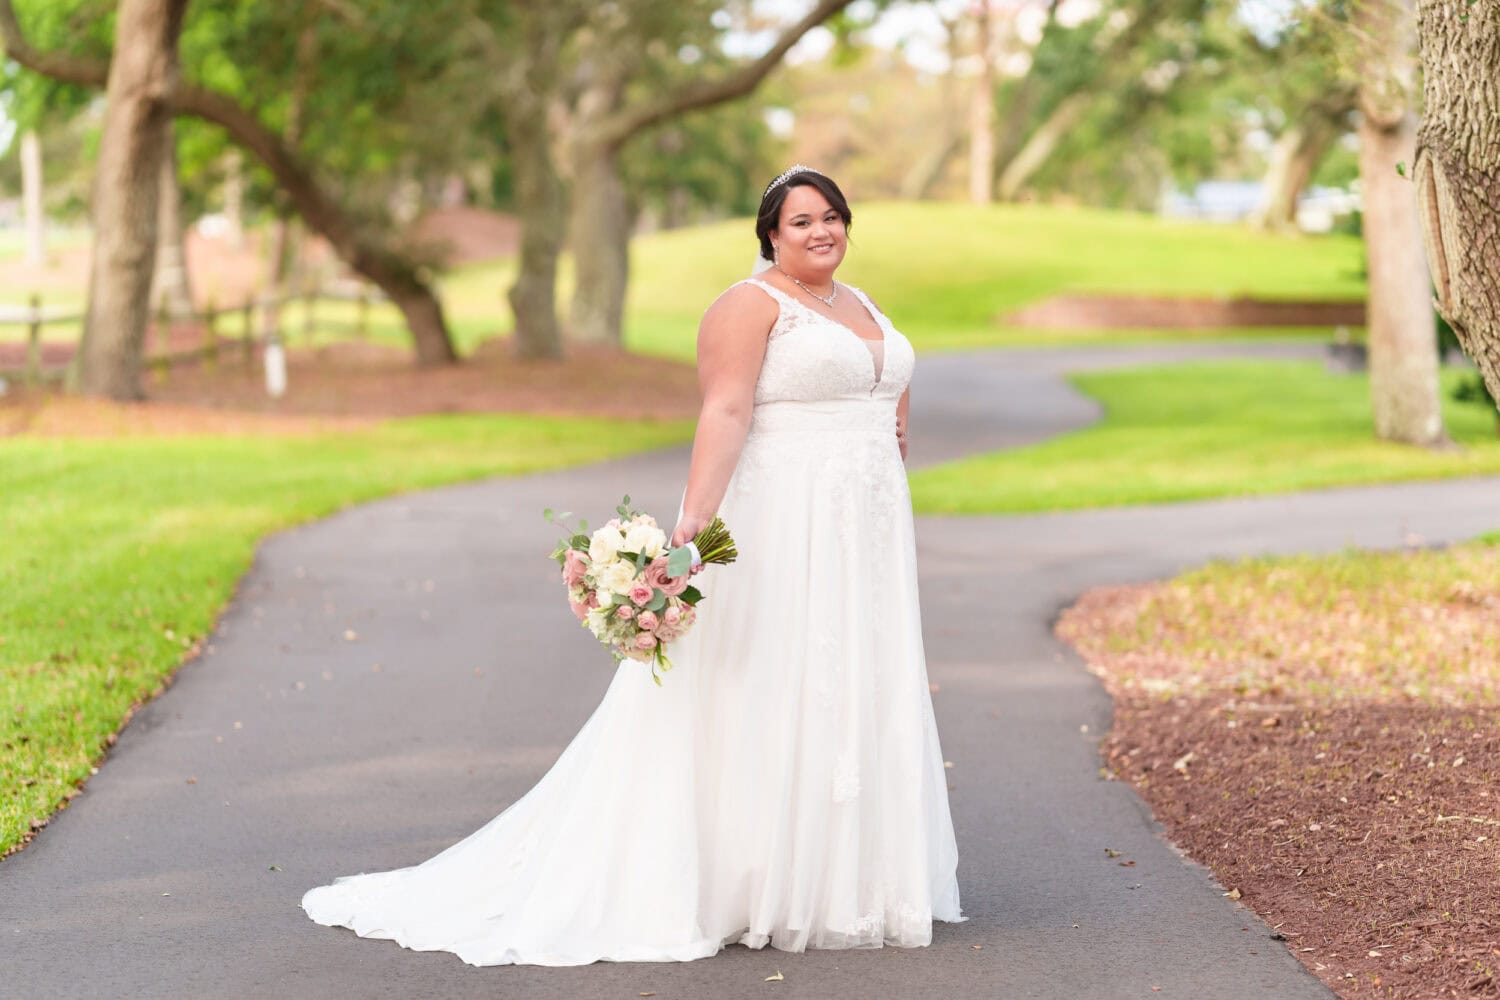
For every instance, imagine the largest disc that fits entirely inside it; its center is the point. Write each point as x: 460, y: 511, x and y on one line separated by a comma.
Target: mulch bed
x: 352, y: 384
x: 1107, y: 312
x: 1365, y: 832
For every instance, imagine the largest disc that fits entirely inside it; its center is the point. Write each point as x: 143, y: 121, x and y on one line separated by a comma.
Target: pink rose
x: 625, y: 611
x: 645, y: 641
x: 580, y: 609
x: 574, y: 568
x: 592, y: 600
x: 673, y: 615
x: 667, y: 633
x: 647, y: 620
x: 640, y: 593
x: 656, y: 576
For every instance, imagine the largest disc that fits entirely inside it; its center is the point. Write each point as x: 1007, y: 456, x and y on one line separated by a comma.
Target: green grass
x: 1188, y: 432
x: 118, y: 555
x: 1385, y: 626
x: 945, y: 273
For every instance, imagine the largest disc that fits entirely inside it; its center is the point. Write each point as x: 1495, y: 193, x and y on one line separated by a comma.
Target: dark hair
x: 771, y: 202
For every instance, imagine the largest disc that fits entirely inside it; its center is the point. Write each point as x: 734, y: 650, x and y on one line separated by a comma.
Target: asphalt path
x: 387, y: 680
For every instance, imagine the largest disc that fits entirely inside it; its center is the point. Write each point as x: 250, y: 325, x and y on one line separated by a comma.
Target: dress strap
x: 870, y: 305
x: 781, y: 297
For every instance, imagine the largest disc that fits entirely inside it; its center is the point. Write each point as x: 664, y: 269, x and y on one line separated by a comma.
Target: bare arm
x: 731, y: 347
x: 901, y: 408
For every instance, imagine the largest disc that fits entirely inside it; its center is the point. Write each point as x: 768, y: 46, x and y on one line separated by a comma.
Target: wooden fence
x: 207, y: 328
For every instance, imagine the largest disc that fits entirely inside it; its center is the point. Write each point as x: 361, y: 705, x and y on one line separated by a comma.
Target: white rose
x: 617, y: 577
x: 656, y: 543
x: 605, y: 544
x: 596, y: 621
x: 645, y: 538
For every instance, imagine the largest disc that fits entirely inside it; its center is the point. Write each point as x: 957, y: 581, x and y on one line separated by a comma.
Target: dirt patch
x: 1366, y: 832
x: 1065, y: 312
x: 349, y: 385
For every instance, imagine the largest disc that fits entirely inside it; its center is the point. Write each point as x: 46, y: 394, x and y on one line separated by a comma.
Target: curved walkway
x: 388, y: 680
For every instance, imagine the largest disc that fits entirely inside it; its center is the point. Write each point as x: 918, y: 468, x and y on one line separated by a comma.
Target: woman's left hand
x: 901, y: 436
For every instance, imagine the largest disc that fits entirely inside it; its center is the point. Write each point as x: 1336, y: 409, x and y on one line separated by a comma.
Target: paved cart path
x: 316, y: 755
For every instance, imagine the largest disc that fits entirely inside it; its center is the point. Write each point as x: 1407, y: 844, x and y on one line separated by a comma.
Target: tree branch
x: 55, y: 65
x: 313, y: 203
x: 619, y: 128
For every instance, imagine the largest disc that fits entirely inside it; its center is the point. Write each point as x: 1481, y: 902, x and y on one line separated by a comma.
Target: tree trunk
x: 1402, y: 331
x: 1294, y: 159
x: 1457, y: 172
x: 31, y: 198
x: 600, y: 237
x: 542, y: 209
x: 171, y: 281
x: 127, y: 186
x: 918, y: 182
x: 982, y: 114
x: 1033, y: 156
x: 1011, y: 130
x: 1114, y: 63
x: 424, y: 319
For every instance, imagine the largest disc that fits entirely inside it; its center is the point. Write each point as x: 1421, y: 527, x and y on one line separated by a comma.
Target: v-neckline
x: 879, y: 376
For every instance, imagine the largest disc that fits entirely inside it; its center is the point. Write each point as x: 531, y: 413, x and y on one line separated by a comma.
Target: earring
x: 776, y: 254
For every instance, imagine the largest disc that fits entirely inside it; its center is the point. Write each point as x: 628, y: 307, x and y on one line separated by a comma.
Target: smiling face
x: 810, y: 234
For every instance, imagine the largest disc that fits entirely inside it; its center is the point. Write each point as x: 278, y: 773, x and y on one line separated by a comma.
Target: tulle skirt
x: 783, y: 786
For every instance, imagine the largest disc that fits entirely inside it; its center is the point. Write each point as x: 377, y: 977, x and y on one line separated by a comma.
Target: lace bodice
x: 810, y: 357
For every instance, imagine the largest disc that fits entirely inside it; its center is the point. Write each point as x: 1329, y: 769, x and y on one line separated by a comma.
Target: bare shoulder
x: 742, y: 307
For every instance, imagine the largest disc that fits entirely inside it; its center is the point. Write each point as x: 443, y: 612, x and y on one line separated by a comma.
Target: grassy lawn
x: 1187, y: 432
x: 119, y: 554
x: 1414, y: 626
x: 944, y: 273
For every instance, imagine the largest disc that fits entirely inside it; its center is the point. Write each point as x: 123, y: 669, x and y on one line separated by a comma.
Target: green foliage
x: 120, y: 554
x: 76, y: 27
x: 1191, y: 432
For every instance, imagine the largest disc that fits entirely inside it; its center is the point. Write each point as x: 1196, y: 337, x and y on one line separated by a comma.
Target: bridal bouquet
x: 629, y: 589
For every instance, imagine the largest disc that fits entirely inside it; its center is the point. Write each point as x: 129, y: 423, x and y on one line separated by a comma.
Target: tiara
x: 796, y: 168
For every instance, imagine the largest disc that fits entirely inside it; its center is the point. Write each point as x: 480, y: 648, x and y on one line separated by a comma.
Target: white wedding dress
x: 784, y: 785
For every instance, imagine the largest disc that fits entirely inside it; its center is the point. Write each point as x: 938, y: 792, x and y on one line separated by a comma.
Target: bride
x: 785, y: 784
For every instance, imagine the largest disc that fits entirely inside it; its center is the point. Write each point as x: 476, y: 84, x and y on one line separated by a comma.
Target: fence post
x: 362, y: 314
x: 309, y: 296
x: 34, y: 342
x: 247, y: 332
x: 163, y: 337
x: 210, y: 337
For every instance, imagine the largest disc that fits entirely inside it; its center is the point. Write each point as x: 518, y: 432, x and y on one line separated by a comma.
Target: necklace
x: 827, y: 300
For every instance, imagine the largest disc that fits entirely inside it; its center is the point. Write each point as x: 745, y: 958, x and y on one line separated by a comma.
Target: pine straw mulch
x: 351, y: 385
x: 1328, y: 743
